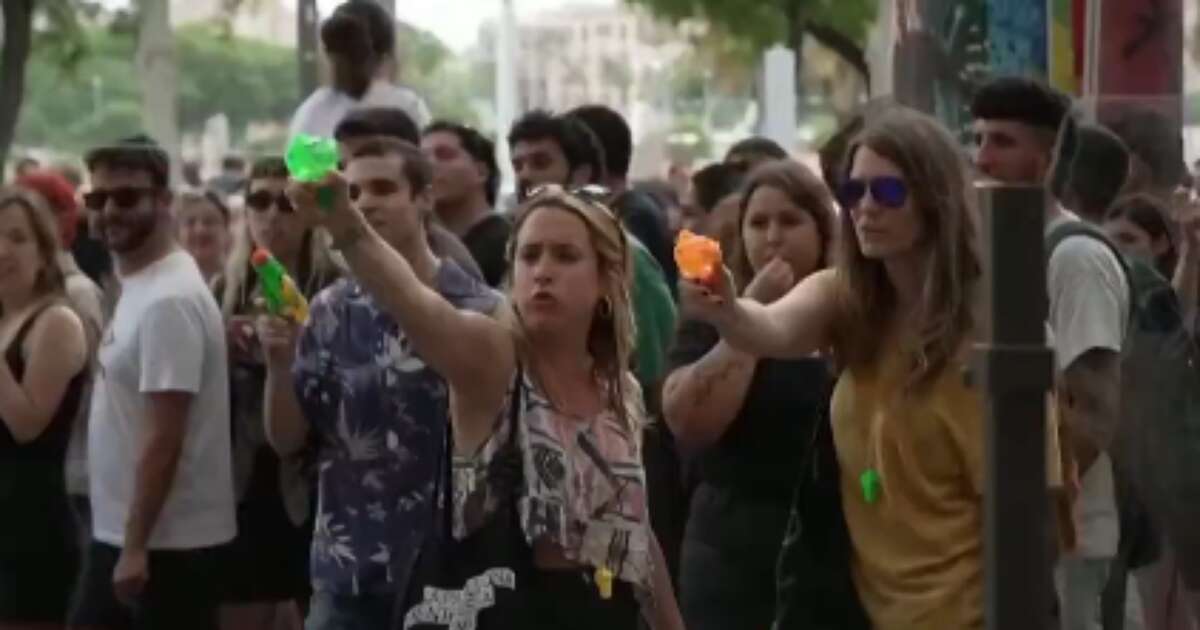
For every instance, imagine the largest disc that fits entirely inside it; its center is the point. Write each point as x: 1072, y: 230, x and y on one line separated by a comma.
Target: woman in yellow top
x: 897, y: 312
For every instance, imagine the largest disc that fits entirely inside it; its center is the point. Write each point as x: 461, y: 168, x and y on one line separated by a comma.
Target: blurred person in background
x: 43, y: 371
x: 204, y: 230
x: 638, y: 212
x: 366, y: 125
x: 667, y: 198
x: 360, y: 42
x: 269, y: 575
x: 745, y: 422
x: 232, y: 178
x: 753, y: 151
x: 712, y: 204
x: 466, y: 181
x: 26, y: 165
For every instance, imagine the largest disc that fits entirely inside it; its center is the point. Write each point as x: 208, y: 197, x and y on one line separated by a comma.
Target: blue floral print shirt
x: 380, y: 416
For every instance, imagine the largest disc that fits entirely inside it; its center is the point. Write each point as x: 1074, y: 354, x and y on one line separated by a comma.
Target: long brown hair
x: 51, y: 279
x: 805, y: 190
x: 936, y: 173
x: 611, y: 337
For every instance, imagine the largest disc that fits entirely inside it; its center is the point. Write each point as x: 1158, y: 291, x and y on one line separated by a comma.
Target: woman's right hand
x: 710, y: 302
x: 278, y: 338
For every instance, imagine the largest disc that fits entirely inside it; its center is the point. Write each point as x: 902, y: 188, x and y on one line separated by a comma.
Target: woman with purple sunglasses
x: 898, y: 313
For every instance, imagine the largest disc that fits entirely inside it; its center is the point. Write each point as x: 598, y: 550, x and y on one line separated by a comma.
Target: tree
x: 100, y: 98
x: 839, y: 25
x: 63, y: 31
x: 158, y: 70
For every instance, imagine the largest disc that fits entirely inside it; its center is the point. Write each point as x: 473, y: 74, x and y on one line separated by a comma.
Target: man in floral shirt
x: 377, y: 414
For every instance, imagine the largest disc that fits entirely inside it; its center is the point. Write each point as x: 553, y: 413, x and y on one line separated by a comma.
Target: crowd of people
x: 789, y: 444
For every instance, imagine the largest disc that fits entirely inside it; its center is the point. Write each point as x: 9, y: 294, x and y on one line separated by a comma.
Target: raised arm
x: 473, y: 352
x: 796, y: 326
x: 283, y: 419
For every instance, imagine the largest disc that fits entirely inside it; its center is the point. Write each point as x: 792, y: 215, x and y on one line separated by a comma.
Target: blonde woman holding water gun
x: 274, y: 517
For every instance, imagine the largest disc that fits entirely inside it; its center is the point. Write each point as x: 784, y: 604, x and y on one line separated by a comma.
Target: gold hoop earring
x: 606, y: 307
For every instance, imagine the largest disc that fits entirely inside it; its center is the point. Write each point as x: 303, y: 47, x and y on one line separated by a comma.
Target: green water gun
x: 309, y: 159
x: 283, y: 298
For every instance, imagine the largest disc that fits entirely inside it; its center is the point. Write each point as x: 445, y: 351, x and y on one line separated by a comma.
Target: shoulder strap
x: 27, y: 325
x: 1076, y: 227
x: 444, y: 494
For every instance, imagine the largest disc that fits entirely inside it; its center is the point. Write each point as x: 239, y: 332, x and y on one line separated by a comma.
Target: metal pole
x: 1015, y: 367
x: 506, y: 91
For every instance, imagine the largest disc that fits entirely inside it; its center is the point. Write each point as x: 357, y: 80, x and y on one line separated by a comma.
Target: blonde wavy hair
x: 50, y: 280
x: 611, y: 336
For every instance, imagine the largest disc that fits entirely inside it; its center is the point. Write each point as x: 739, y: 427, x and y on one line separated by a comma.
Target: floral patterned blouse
x: 583, y: 489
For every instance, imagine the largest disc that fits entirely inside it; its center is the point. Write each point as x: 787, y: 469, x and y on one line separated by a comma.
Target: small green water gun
x: 309, y: 159
x: 283, y: 297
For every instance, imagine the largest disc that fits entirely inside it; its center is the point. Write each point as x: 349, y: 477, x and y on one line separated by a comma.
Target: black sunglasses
x: 124, y: 197
x: 262, y: 200
x: 889, y: 192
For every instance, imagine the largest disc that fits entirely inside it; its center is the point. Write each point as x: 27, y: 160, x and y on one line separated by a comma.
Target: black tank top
x: 33, y: 493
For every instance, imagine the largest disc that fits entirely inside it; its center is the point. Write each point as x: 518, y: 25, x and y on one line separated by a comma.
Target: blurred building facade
x: 271, y: 21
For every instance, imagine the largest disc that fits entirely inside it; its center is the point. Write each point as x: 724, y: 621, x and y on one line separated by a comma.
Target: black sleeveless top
x: 33, y: 494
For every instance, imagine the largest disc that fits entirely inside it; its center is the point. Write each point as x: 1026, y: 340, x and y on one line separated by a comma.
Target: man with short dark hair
x: 360, y: 42
x: 639, y: 213
x: 378, y: 413
x: 232, y: 178
x: 367, y: 125
x: 466, y: 181
x: 1018, y: 125
x: 158, y: 442
x: 712, y: 198
x: 549, y: 149
x: 1097, y: 173
x: 753, y: 151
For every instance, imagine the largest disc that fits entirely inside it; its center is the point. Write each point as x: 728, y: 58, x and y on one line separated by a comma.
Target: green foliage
x: 448, y: 84
x: 762, y: 23
x: 98, y: 98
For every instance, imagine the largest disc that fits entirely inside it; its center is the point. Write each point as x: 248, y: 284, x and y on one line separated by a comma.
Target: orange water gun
x: 698, y: 257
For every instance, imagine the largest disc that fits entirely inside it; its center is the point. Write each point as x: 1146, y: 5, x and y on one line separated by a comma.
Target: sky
x: 455, y: 22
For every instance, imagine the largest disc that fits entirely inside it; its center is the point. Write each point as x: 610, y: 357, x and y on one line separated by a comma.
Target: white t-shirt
x: 166, y: 334
x: 1089, y: 308
x: 321, y: 112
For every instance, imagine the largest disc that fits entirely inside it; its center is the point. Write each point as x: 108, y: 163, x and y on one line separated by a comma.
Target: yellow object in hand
x: 604, y: 582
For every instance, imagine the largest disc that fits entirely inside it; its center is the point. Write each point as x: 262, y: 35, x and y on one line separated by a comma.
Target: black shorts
x: 182, y: 593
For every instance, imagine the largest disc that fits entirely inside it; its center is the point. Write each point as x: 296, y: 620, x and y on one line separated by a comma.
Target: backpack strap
x: 1076, y: 227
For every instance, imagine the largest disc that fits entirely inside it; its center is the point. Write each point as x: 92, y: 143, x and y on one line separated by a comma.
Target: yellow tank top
x: 918, y: 547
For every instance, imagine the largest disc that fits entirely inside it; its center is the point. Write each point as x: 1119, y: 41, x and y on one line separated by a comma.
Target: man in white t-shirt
x: 360, y: 42
x: 158, y: 445
x: 1017, y: 122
